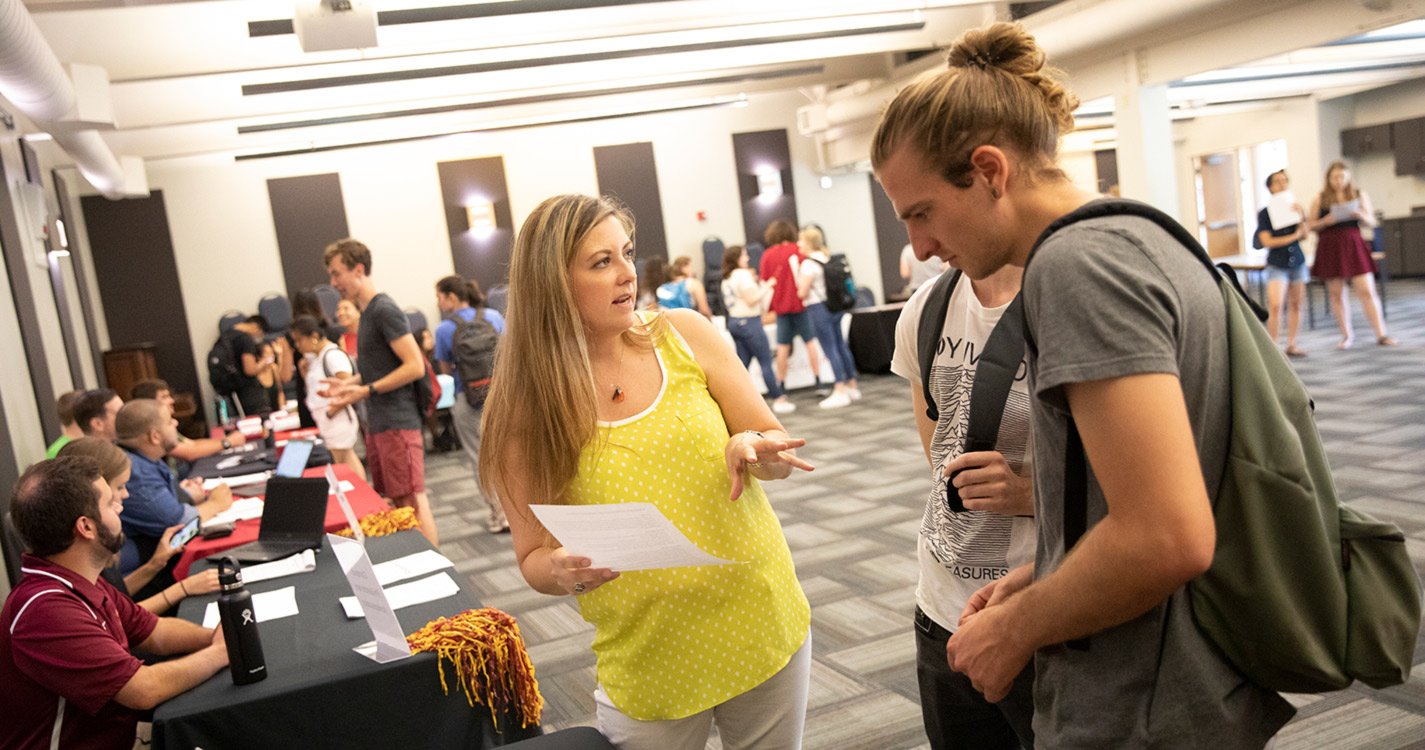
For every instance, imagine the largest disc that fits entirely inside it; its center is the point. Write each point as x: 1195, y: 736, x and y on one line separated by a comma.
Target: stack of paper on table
x: 269, y: 605
x: 438, y: 586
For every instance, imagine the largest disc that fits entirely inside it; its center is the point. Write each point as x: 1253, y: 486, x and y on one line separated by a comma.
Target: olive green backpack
x: 1304, y: 594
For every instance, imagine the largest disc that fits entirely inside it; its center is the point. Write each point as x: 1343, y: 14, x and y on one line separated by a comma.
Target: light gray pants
x: 467, y: 426
x: 767, y: 717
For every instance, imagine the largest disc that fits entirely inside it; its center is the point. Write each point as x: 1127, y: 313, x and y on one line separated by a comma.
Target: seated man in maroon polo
x: 65, y: 634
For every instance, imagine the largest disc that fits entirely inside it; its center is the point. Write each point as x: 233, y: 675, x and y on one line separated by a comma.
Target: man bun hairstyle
x: 996, y: 90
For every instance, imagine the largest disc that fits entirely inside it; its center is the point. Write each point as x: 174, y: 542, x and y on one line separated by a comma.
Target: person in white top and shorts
x: 322, y: 359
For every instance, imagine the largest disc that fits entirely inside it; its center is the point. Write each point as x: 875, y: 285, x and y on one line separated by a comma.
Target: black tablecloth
x: 254, y: 459
x: 321, y: 694
x: 872, y: 338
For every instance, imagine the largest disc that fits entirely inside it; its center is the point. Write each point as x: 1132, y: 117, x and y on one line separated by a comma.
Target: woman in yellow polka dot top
x: 594, y: 403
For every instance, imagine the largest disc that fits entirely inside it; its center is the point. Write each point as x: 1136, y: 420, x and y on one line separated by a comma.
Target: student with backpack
x: 389, y: 365
x: 822, y: 285
x: 960, y: 343
x: 325, y: 360
x: 1127, y: 358
x: 465, y: 348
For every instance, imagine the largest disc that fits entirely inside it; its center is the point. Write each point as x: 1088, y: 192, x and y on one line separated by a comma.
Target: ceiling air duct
x: 32, y: 78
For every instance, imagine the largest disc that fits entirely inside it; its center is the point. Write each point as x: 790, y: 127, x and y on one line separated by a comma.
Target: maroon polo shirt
x: 64, y: 655
x: 775, y: 266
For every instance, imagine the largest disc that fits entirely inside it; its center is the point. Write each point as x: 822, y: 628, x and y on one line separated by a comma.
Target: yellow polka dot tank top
x: 671, y: 643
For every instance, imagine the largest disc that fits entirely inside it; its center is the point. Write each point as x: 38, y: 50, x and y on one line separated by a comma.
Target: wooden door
x: 1221, y: 203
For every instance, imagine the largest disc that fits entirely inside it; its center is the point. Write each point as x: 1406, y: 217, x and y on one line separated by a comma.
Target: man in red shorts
x: 389, y: 361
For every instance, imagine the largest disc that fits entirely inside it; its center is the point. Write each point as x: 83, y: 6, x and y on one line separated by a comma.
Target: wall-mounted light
x: 63, y: 235
x: 481, y: 218
x: 769, y: 185
x: 826, y: 182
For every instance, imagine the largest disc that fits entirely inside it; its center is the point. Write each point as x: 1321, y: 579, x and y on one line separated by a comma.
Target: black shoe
x: 821, y: 390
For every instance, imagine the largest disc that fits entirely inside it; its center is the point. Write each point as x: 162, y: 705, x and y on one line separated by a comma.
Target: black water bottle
x: 239, y: 625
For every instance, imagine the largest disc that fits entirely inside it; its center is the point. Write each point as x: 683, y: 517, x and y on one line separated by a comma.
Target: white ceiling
x: 187, y: 76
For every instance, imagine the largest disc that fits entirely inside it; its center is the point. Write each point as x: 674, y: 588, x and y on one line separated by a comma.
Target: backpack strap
x: 932, y: 322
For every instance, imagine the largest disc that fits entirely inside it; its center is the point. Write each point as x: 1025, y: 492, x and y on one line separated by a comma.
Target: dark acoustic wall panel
x: 626, y: 173
x: 754, y: 153
x: 891, y: 238
x: 138, y: 283
x: 480, y: 255
x: 308, y: 214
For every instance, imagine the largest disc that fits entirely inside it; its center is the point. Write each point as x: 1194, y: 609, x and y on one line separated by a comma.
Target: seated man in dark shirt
x: 66, y: 635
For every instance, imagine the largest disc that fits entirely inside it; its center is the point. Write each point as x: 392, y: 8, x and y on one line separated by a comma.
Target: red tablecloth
x: 364, y: 501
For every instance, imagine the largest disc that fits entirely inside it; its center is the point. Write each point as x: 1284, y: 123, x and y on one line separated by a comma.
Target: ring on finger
x: 579, y: 588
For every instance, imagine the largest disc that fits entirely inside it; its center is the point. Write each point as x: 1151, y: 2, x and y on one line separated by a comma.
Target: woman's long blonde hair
x: 541, y: 405
x: 1330, y: 197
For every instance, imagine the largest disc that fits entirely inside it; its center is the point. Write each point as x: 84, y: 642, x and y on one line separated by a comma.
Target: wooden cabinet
x: 1404, y: 245
x: 1408, y: 137
x: 1375, y: 139
x: 125, y: 366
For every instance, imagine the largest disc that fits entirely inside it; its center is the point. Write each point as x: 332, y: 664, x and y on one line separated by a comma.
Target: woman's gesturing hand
x: 773, y: 457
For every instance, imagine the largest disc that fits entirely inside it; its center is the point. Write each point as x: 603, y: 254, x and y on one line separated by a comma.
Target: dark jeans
x: 833, y: 344
x: 956, y: 715
x: 751, y: 341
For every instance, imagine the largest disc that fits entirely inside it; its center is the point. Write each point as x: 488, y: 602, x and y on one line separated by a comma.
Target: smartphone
x: 185, y: 534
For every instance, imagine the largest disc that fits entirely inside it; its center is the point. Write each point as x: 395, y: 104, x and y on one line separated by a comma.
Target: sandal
x: 1294, y: 352
x: 1346, y: 343
x: 1386, y: 341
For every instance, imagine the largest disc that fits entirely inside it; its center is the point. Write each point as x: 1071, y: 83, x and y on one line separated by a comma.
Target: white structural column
x: 1144, y: 128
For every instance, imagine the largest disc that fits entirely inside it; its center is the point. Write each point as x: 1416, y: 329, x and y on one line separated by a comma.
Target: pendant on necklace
x: 618, y: 395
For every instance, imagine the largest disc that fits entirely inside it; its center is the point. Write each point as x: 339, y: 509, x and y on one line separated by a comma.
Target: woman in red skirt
x: 1342, y: 254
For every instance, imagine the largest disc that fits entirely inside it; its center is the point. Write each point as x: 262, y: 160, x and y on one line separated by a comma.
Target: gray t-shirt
x: 382, y: 322
x: 1108, y: 298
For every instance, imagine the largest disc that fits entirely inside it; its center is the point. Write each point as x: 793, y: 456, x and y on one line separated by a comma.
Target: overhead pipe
x: 33, y: 79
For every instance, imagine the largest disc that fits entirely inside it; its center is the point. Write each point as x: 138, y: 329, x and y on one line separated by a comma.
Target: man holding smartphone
x: 978, y: 522
x: 148, y: 431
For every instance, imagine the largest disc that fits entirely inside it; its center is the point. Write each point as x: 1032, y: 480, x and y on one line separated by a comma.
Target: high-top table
x: 319, y: 694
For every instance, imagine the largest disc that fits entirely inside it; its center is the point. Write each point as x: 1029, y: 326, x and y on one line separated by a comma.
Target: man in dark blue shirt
x: 147, y: 431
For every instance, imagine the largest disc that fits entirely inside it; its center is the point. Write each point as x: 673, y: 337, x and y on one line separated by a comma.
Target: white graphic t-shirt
x: 961, y: 552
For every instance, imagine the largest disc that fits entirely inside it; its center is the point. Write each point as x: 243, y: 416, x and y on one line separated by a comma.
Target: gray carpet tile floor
x: 852, y: 524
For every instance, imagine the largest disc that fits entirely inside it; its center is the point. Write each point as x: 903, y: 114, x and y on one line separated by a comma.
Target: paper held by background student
x: 1281, y: 209
x: 1345, y: 211
x: 627, y: 536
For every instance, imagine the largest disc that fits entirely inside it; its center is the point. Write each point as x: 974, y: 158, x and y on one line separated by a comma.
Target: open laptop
x: 293, y: 519
x: 292, y: 464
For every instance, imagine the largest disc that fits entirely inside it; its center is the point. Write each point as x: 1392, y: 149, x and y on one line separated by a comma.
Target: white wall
x: 1375, y: 173
x: 226, y: 248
